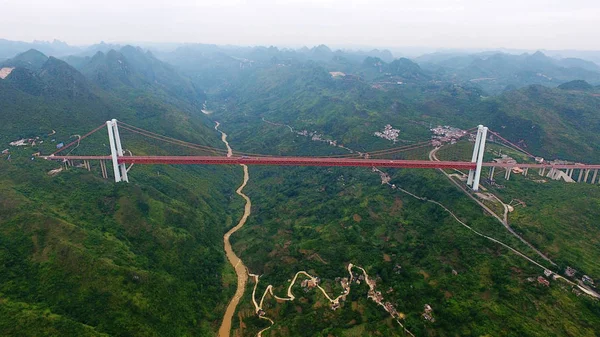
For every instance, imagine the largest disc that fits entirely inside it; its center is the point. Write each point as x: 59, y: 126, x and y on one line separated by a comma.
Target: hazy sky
x: 527, y: 24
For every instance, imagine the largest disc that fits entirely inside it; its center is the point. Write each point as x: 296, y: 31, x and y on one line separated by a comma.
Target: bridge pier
x: 525, y: 171
x: 492, y: 169
x: 580, y: 175
x: 507, y: 173
x: 542, y: 171
x: 103, y: 169
x: 594, y: 176
x: 585, y: 178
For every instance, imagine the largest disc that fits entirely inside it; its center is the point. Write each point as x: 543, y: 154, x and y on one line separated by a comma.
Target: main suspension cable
x: 78, y: 140
x: 177, y: 142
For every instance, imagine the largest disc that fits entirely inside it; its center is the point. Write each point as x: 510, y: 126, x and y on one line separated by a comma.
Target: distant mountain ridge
x: 128, y: 68
x: 495, y: 71
x: 55, y: 48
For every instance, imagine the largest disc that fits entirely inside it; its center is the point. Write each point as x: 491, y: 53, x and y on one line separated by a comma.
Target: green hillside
x: 81, y: 255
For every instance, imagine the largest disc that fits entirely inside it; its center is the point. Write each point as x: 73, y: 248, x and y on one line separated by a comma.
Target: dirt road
x: 236, y: 262
x: 503, y: 221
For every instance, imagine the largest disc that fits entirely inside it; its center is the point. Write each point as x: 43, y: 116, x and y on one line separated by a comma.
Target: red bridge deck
x: 312, y: 161
x: 294, y: 161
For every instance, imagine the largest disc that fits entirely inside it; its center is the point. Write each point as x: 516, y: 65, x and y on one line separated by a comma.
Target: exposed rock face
x: 5, y: 72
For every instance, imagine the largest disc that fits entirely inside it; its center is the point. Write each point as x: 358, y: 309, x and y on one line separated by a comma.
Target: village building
x: 388, y: 133
x: 542, y: 280
x: 20, y: 142
x: 428, y: 317
x: 504, y: 159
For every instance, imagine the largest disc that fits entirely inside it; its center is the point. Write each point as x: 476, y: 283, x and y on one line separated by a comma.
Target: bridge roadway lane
x: 293, y: 161
x: 314, y: 161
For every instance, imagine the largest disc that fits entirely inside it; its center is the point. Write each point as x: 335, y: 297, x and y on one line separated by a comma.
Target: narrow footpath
x: 236, y: 262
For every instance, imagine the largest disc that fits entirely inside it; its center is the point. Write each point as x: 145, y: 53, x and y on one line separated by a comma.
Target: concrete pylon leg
x: 492, y: 169
x: 475, y: 153
x: 480, y: 159
x: 526, y: 171
x: 594, y: 176
x: 585, y: 178
x: 580, y: 175
x: 570, y: 173
x: 122, y: 167
x: 113, y: 151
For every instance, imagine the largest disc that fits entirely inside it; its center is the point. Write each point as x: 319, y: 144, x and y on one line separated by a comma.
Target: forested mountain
x: 53, y: 93
x: 374, y: 95
x: 131, y: 69
x: 334, y: 217
x: 576, y: 85
x: 31, y: 59
x: 554, y: 122
x: 80, y: 255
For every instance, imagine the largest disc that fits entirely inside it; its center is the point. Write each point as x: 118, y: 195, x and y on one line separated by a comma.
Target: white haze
x: 519, y: 24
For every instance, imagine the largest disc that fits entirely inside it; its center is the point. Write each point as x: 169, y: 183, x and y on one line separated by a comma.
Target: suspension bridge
x: 220, y: 157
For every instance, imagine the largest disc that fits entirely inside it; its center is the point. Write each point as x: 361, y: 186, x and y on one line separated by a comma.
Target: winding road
x: 503, y: 221
x: 335, y: 301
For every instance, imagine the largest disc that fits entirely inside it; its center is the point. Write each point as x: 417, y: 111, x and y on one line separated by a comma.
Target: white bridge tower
x: 478, y: 152
x: 116, y: 150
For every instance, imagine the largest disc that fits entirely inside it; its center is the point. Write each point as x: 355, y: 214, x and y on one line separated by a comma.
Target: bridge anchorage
x: 474, y: 167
